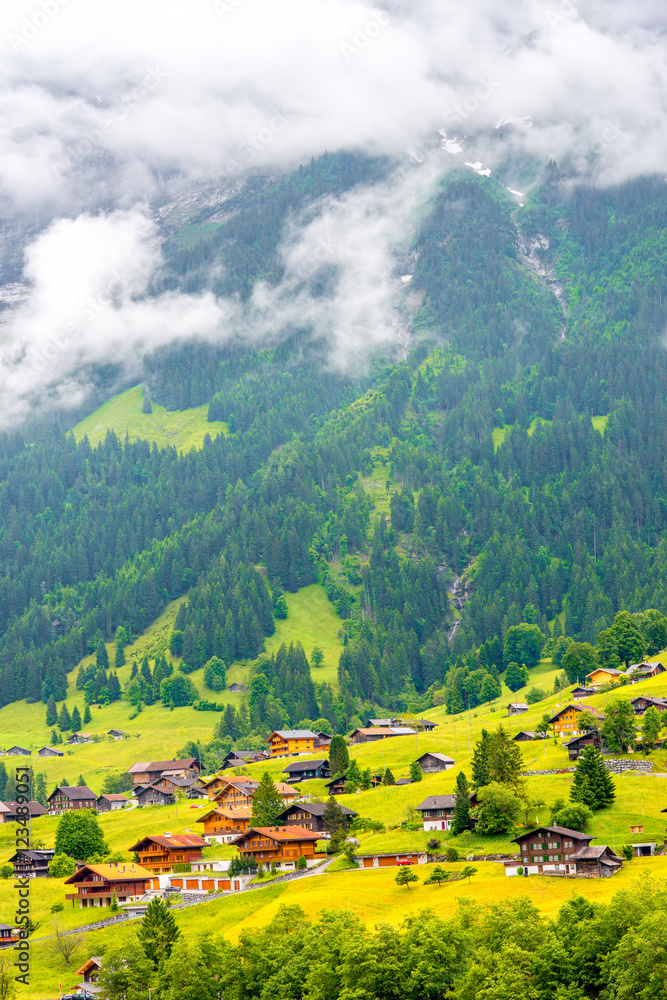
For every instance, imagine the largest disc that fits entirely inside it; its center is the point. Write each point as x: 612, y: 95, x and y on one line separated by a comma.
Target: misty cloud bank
x: 109, y: 108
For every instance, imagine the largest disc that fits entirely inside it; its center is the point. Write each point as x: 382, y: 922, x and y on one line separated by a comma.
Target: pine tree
x: 87, y: 717
x: 339, y: 756
x: 54, y: 738
x: 158, y: 931
x: 266, y: 803
x: 480, y: 761
x: 40, y: 788
x: 80, y: 781
x: 3, y: 780
x: 121, y: 643
x: 64, y: 720
x: 75, y: 725
x: 10, y: 789
x: 416, y: 773
x: 101, y: 656
x: 388, y: 778
x: 461, y: 819
x: 592, y: 783
x: 51, y: 712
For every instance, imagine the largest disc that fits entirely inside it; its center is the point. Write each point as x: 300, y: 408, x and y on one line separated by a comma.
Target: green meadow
x: 181, y: 429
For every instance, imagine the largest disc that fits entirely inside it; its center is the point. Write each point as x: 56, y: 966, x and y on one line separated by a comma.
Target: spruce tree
x: 121, y: 642
x: 87, y: 717
x: 592, y: 784
x: 461, y: 819
x: 388, y: 778
x: 101, y: 656
x: 416, y: 773
x: 75, y: 725
x: 266, y: 803
x: 51, y: 712
x: 10, y: 789
x: 3, y: 779
x: 339, y: 756
x: 40, y: 788
x: 54, y: 738
x: 480, y: 761
x: 64, y: 720
x: 158, y: 931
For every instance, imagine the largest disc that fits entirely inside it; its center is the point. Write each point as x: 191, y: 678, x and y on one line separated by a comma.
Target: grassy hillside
x: 182, y: 429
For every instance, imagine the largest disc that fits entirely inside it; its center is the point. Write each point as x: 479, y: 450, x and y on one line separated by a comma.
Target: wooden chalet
x: 517, y: 708
x: 50, y: 752
x: 65, y: 798
x: 580, y: 692
x: 8, y: 935
x: 109, y: 802
x: 288, y: 741
x: 644, y: 701
x: 437, y: 811
x: 564, y: 722
x: 596, y: 862
x: 603, y: 675
x: 236, y: 688
x: 433, y: 762
x: 116, y: 734
x: 80, y: 738
x: 148, y: 772
x: 189, y: 788
x: 305, y: 770
x: 95, y: 884
x: 11, y: 814
x: 524, y: 736
x: 576, y: 746
x: 239, y: 758
x: 640, y: 671
x: 310, y: 815
x: 32, y: 864
x: 374, y: 733
x: 558, y: 850
x: 222, y: 825
x: 279, y: 845
x: 336, y: 786
x: 16, y: 752
x: 392, y: 859
x: 159, y: 853
x: 90, y: 971
x: 237, y: 793
x: 151, y: 795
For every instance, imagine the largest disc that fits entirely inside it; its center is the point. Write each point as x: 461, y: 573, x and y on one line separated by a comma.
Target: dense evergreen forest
x: 528, y: 460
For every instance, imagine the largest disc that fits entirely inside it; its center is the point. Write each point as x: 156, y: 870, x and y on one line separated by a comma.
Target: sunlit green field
x: 181, y: 429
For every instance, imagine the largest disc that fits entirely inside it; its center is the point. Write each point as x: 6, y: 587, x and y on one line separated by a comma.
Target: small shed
x: 433, y: 761
x: 50, y: 752
x: 643, y: 850
x: 525, y: 736
x: 517, y: 708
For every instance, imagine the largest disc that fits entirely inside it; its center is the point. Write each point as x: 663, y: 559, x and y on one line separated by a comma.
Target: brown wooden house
x: 577, y: 745
x: 644, y: 701
x: 67, y: 797
x: 221, y: 824
x: 32, y: 864
x: 90, y: 971
x: 151, y: 795
x: 279, y: 845
x: 95, y: 884
x: 237, y: 793
x: 305, y: 770
x: 548, y: 849
x: 159, y: 854
x: 310, y: 815
x: 148, y: 772
x: 596, y: 862
x: 432, y: 762
x: 110, y: 801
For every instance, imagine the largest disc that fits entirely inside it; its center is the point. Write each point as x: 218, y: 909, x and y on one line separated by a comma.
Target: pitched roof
x: 315, y: 809
x: 439, y: 756
x: 593, y: 852
x: 293, y: 734
x: 579, y: 707
x: 123, y: 871
x: 161, y: 765
x: 517, y: 704
x: 562, y: 830
x: 112, y: 797
x: 386, y: 731
x: 243, y: 813
x: 283, y: 834
x: 437, y: 802
x: 305, y: 765
x: 74, y: 793
x: 94, y: 962
x: 175, y: 841
x: 53, y: 750
x: 36, y: 808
